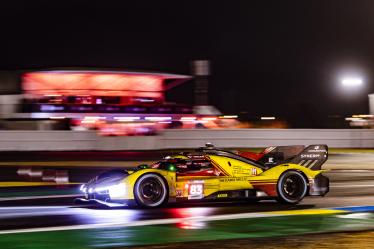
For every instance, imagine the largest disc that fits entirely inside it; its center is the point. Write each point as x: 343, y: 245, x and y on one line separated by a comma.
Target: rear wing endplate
x: 312, y: 157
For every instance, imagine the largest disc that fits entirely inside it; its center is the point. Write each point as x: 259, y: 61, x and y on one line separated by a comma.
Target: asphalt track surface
x: 348, y: 188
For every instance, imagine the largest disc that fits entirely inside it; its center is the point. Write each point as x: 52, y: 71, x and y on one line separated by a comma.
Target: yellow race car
x: 284, y: 173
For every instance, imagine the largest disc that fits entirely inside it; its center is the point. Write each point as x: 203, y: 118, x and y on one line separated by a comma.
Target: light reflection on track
x: 14, y: 217
x: 348, y: 188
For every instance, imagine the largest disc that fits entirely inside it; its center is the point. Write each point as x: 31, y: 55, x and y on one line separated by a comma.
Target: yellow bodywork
x: 236, y: 175
x: 130, y: 181
x: 240, y: 176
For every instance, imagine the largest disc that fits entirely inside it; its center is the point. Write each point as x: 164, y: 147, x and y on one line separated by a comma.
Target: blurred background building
x: 113, y: 102
x: 119, y: 102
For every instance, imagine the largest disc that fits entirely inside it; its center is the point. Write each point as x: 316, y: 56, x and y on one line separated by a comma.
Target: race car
x: 285, y: 173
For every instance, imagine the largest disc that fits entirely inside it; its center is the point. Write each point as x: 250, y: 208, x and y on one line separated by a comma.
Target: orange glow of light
x: 93, y: 83
x: 228, y: 117
x: 191, y: 224
x: 89, y: 121
x: 188, y: 118
x: 209, y: 119
x: 57, y: 117
x: 93, y: 118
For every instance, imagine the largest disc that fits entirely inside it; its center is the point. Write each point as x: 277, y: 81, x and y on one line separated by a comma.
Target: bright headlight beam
x: 83, y: 188
x: 117, y: 191
x: 267, y: 118
x: 352, y: 81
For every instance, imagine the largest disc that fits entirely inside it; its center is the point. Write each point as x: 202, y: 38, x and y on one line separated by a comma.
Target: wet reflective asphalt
x: 348, y: 188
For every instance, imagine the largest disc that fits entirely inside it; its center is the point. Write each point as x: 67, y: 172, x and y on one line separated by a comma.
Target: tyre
x: 291, y: 187
x: 151, y: 191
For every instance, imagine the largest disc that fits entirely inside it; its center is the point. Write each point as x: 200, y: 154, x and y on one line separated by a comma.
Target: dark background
x: 275, y: 58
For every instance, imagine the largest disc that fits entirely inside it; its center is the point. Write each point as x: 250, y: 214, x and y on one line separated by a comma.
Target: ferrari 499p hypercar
x: 284, y: 173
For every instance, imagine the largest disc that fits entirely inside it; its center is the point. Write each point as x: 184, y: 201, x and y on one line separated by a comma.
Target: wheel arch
x: 299, y: 171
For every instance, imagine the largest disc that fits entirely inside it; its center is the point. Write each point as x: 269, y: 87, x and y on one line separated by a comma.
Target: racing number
x: 196, y: 189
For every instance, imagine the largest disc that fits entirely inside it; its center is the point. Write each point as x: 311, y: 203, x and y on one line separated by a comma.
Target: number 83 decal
x: 196, y: 189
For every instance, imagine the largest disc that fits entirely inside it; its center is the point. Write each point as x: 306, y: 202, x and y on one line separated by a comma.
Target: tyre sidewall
x: 281, y: 196
x: 164, y: 198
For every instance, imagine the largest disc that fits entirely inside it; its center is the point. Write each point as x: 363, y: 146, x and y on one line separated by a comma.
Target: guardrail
x: 227, y: 138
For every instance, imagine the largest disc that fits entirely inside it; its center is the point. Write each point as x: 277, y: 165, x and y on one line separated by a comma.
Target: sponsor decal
x: 244, y: 170
x: 254, y: 171
x: 222, y: 195
x: 317, y: 149
x: 179, y: 192
x: 233, y: 179
x: 310, y: 156
x: 196, y: 156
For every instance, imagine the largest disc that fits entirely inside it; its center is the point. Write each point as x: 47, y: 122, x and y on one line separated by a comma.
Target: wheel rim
x: 151, y: 191
x: 293, y: 187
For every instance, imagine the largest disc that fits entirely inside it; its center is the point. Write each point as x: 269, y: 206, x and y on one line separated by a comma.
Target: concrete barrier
x: 242, y: 138
x: 228, y: 138
x: 47, y: 140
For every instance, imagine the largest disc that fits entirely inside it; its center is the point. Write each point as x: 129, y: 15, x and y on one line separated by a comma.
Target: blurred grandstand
x: 112, y: 102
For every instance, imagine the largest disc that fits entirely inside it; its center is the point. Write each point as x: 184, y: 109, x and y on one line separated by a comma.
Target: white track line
x: 32, y: 207
x: 352, y: 186
x: 37, y: 197
x: 152, y: 222
x: 143, y: 223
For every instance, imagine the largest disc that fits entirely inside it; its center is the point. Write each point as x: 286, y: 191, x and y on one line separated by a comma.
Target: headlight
x: 83, y: 188
x: 117, y: 191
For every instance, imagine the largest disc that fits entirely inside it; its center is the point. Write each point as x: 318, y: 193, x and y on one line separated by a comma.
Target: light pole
x: 353, y: 87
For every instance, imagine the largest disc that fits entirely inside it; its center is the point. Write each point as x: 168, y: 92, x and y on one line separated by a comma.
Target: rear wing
x: 312, y: 157
x: 276, y: 155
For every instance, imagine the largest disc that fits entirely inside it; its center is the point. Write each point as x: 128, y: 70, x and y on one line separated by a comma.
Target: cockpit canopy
x: 188, y: 166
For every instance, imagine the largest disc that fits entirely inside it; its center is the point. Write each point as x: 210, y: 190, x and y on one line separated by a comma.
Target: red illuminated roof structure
x: 99, y: 83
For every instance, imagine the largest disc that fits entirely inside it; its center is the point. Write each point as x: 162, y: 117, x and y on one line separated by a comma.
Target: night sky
x: 281, y: 58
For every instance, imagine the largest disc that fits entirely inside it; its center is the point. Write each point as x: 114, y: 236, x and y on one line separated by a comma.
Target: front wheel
x: 291, y: 187
x: 151, y: 191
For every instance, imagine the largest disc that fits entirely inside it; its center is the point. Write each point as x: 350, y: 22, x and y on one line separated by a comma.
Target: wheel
x: 291, y: 187
x: 151, y: 191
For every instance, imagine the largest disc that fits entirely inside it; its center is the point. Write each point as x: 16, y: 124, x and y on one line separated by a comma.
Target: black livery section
x: 312, y: 157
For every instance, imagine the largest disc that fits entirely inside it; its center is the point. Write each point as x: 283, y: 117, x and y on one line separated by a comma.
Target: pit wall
x: 228, y: 138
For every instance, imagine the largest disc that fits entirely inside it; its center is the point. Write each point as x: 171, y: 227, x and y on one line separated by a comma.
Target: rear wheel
x: 291, y: 187
x: 151, y: 191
